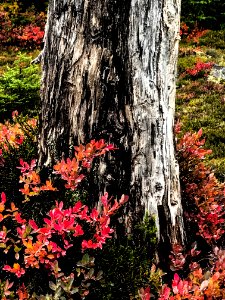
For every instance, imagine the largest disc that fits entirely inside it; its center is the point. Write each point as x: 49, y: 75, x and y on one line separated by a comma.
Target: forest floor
x: 200, y: 101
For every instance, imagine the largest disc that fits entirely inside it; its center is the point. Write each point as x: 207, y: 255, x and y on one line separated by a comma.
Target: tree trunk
x: 109, y: 71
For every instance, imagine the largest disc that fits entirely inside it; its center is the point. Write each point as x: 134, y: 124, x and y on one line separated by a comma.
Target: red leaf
x: 3, y: 197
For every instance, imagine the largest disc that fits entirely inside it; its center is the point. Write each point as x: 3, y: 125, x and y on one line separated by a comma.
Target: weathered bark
x: 109, y: 69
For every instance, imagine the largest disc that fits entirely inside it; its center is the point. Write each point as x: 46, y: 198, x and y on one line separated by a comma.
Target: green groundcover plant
x: 19, y: 88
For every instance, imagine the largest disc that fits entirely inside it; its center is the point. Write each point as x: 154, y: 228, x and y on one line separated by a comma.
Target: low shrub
x: 200, y: 101
x: 200, y: 69
x: 128, y: 255
x: 193, y: 68
x: 185, y: 62
x: 191, y: 35
x: 17, y: 139
x: 198, y: 268
x: 213, y: 39
x: 35, y: 246
x: 21, y: 29
x: 202, y: 193
x: 19, y: 88
x: 59, y: 245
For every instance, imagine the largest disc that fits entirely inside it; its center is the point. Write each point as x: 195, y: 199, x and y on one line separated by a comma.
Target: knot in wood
x: 173, y: 201
x: 158, y: 187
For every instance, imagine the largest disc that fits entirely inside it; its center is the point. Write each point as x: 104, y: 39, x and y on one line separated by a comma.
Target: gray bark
x: 109, y: 71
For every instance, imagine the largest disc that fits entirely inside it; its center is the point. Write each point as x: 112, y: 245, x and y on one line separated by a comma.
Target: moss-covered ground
x: 200, y: 101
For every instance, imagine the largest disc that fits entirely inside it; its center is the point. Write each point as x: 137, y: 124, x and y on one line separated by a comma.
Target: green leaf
x: 99, y: 275
x: 74, y: 291
x: 70, y: 282
x: 91, y: 273
x: 58, y: 293
x: 78, y: 271
x: 17, y: 249
x: 85, y: 259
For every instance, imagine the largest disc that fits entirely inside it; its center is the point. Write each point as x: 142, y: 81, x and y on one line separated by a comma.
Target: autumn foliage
x: 12, y: 135
x: 203, y: 203
x: 35, y: 245
x: 200, y: 69
x: 21, y: 29
x: 191, y: 34
x: 44, y: 244
x: 201, y: 188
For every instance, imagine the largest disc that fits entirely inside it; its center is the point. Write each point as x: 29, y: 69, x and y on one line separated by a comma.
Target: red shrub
x: 46, y: 243
x: 200, y: 69
x: 191, y: 35
x: 184, y: 29
x: 200, y: 187
x: 28, y: 35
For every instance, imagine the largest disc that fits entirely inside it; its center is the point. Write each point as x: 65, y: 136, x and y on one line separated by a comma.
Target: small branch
x: 38, y: 59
